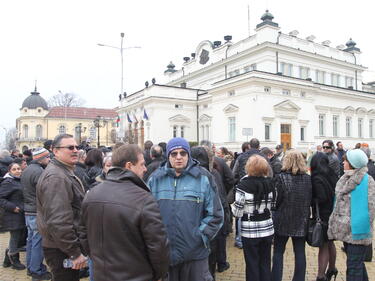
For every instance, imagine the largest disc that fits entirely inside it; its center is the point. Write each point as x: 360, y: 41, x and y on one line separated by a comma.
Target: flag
x: 129, y: 120
x: 145, y: 116
x: 135, y: 118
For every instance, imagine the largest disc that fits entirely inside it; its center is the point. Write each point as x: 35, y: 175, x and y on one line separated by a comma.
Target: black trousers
x: 355, y: 266
x: 257, y: 252
x: 54, y: 259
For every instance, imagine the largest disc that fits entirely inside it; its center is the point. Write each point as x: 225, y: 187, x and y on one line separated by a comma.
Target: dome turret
x: 34, y: 101
x: 351, y: 47
x: 267, y: 18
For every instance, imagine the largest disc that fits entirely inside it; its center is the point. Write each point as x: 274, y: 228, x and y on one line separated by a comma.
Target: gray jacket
x: 339, y: 226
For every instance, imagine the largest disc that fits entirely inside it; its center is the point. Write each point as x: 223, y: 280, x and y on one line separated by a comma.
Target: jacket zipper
x: 175, y: 188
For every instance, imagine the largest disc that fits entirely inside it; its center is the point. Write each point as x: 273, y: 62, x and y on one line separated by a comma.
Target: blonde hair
x: 294, y: 162
x: 257, y: 166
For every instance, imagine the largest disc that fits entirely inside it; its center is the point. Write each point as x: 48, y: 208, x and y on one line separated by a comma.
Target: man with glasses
x: 329, y: 149
x: 59, y: 197
x: 190, y: 209
x: 29, y: 179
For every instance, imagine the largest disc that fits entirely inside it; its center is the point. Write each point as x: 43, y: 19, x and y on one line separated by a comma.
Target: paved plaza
x: 235, y: 273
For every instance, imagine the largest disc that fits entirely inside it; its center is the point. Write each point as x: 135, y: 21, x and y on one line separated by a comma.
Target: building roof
x: 81, y: 112
x: 34, y: 101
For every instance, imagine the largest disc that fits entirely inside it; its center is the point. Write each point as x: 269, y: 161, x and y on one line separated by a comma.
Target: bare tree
x: 10, y: 139
x: 66, y: 100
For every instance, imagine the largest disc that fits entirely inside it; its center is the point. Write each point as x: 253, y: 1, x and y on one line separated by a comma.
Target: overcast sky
x: 55, y: 42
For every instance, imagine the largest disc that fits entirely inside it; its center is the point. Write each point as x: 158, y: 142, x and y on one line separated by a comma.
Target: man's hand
x: 80, y: 262
x: 17, y: 210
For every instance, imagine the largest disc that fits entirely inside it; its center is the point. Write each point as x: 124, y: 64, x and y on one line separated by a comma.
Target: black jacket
x: 91, y: 174
x: 123, y: 230
x: 371, y: 168
x: 4, y: 163
x: 292, y: 204
x: 276, y: 165
x: 80, y: 172
x: 11, y: 196
x: 29, y: 180
x: 239, y: 167
x: 155, y: 163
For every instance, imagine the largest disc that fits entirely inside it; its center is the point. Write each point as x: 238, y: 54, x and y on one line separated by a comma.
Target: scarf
x: 359, y: 212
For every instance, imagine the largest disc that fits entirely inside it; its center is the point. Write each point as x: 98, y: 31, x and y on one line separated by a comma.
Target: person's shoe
x: 28, y: 272
x: 238, y: 244
x: 45, y: 276
x: 324, y: 278
x: 330, y: 273
x: 223, y: 268
x: 15, y: 261
x: 6, y: 262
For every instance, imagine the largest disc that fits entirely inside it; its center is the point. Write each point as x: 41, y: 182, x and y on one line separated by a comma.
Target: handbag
x: 314, y: 235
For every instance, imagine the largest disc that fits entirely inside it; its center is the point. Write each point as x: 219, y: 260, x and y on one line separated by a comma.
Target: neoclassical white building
x: 272, y: 85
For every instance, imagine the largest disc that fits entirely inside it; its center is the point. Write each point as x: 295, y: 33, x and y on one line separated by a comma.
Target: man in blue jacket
x: 190, y: 209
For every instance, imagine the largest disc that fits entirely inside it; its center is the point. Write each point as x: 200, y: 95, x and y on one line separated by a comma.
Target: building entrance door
x: 286, y: 136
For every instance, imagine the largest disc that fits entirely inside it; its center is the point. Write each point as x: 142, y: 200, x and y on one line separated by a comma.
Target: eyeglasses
x: 70, y: 147
x: 327, y: 147
x: 175, y: 153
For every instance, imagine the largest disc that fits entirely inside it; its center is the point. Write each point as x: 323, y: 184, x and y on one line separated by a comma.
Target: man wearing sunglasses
x: 190, y: 209
x: 329, y: 149
x: 59, y: 197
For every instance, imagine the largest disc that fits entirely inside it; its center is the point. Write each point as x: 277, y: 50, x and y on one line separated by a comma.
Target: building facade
x: 38, y: 123
x: 272, y: 85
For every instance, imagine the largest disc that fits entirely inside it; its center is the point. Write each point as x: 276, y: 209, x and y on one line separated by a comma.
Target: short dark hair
x: 94, y: 158
x: 156, y: 151
x: 254, y: 143
x: 117, y: 145
x: 330, y: 142
x: 47, y: 144
x: 126, y: 153
x: 337, y: 143
x: 245, y: 146
x: 163, y: 145
x: 148, y: 144
x: 57, y: 140
x: 19, y: 161
x: 266, y: 151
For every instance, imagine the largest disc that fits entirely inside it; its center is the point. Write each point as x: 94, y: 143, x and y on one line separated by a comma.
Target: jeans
x: 15, y: 236
x: 299, y: 257
x: 54, y: 258
x: 355, y: 267
x: 34, y: 250
x: 257, y: 252
x: 91, y: 269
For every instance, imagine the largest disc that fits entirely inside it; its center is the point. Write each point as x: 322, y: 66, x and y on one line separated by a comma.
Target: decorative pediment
x: 371, y: 112
x: 349, y: 109
x: 361, y: 110
x: 205, y: 118
x: 287, y: 105
x: 230, y: 108
x: 179, y: 118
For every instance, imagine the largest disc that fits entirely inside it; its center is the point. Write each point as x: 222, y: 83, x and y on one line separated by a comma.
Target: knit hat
x: 40, y: 153
x: 357, y: 158
x: 177, y: 143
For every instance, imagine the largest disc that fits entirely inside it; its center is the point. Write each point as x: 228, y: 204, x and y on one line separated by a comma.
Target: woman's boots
x: 6, y: 262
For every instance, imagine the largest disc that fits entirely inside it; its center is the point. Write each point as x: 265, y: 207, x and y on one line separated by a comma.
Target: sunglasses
x: 327, y: 147
x: 70, y: 147
x: 175, y: 153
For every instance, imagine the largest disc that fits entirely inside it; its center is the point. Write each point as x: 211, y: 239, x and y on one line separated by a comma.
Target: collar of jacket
x: 117, y: 174
x: 353, y: 178
x: 192, y: 168
x: 63, y: 165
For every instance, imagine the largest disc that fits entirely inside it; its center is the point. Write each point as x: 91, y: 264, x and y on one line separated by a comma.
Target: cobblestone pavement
x: 235, y: 258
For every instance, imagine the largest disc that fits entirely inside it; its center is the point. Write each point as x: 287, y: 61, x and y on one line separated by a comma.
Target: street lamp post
x: 121, y: 49
x: 99, y: 122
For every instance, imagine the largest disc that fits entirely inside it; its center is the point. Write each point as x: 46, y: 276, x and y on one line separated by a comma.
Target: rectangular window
x: 304, y: 72
x: 286, y: 68
x: 348, y: 82
x: 175, y: 131
x: 286, y: 92
x: 335, y: 125
x: 267, y: 89
x: 335, y: 79
x: 231, y: 93
x: 360, y: 127
x: 320, y: 75
x: 303, y: 133
x: 321, y: 124
x: 348, y: 124
x: 178, y: 106
x: 303, y: 94
x: 267, y: 131
x: 232, y: 128
x: 371, y: 128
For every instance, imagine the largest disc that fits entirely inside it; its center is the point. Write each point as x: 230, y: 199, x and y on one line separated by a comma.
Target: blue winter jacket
x: 190, y: 208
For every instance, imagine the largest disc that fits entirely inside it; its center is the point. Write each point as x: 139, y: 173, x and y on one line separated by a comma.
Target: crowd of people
x: 165, y: 212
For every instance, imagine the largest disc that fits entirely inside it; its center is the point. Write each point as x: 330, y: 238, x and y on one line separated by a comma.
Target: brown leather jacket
x: 59, y: 196
x: 123, y: 231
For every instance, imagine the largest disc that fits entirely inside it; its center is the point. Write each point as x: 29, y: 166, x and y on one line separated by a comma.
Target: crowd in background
x: 265, y: 195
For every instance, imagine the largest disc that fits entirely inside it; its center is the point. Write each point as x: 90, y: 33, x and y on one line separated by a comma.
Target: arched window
x: 62, y: 129
x: 92, y: 133
x: 38, y: 131
x: 25, y: 131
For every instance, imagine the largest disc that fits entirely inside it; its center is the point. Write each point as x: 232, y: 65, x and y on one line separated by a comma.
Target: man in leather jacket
x: 123, y: 232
